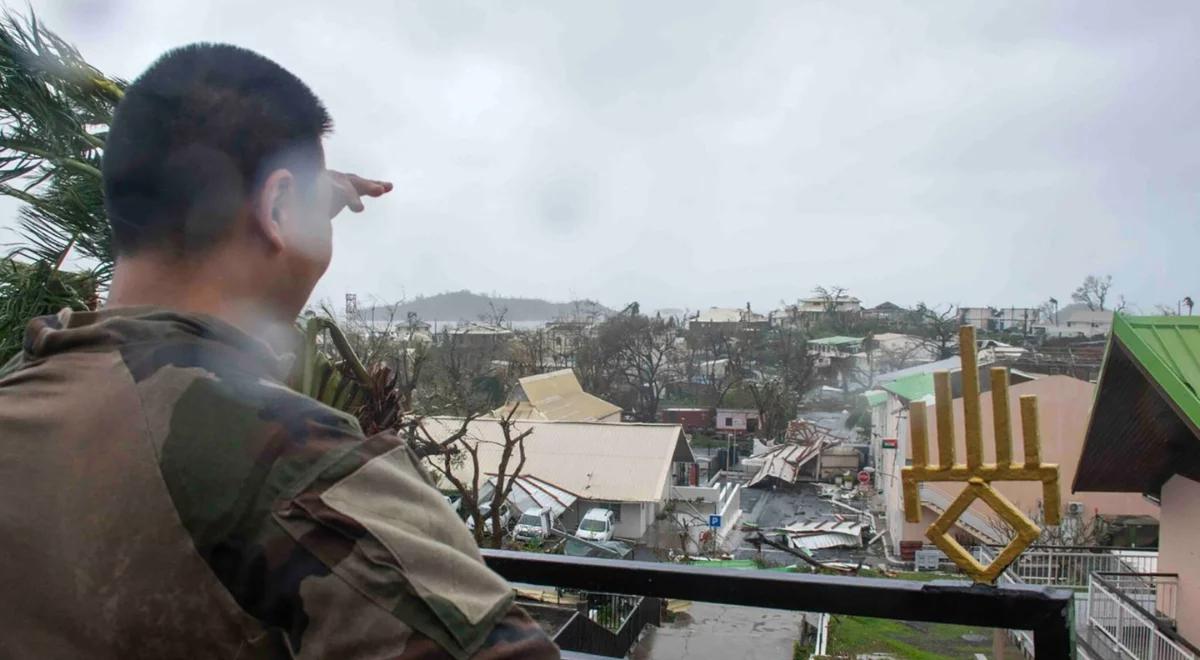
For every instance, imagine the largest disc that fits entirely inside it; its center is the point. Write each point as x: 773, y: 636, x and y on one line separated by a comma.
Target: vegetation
x: 1093, y: 292
x: 54, y: 113
x: 852, y: 635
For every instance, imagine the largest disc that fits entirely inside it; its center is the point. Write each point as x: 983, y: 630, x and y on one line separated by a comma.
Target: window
x: 728, y: 421
x: 593, y: 526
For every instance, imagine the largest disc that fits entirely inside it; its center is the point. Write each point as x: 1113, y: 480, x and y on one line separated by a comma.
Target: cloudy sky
x: 688, y: 154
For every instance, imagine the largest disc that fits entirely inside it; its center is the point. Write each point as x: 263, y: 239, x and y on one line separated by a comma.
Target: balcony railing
x: 1045, y: 611
x: 1071, y: 566
x: 1131, y: 615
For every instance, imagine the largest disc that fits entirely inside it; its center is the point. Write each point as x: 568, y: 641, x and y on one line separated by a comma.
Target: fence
x: 610, y: 624
x: 1070, y: 566
x: 1119, y: 625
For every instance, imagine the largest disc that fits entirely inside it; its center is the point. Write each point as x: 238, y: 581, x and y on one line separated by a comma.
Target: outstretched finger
x: 369, y: 187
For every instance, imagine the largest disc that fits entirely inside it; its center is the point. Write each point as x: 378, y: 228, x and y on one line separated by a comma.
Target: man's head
x: 214, y: 154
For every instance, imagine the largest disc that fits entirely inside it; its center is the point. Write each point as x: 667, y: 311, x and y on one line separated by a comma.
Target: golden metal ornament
x: 977, y: 474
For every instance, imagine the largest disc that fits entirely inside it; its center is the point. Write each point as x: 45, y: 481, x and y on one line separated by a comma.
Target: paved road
x: 720, y: 632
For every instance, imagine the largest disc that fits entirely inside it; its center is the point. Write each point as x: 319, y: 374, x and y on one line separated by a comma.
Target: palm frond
x: 55, y: 109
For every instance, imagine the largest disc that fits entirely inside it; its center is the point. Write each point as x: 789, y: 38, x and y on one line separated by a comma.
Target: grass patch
x: 851, y: 635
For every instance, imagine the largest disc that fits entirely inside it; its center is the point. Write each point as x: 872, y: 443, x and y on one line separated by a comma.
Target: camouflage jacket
x: 165, y: 495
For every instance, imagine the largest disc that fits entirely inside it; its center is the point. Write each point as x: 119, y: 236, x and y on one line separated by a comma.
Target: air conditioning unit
x: 1075, y: 508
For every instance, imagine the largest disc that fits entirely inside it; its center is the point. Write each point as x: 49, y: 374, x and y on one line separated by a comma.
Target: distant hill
x: 468, y: 306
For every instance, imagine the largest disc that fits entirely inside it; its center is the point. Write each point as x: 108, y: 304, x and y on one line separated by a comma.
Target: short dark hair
x: 194, y: 136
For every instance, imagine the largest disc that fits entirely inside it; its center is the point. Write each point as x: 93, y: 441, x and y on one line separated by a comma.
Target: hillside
x: 468, y: 306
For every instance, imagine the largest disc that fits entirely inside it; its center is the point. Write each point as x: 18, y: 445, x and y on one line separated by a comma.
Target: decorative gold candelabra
x: 977, y: 474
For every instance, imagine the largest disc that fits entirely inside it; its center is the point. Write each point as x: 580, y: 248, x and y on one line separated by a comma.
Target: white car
x: 485, y: 512
x: 597, y: 525
x: 533, y: 524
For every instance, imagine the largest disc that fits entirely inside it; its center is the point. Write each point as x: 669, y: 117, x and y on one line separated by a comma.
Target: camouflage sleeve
x: 336, y: 541
x: 514, y: 636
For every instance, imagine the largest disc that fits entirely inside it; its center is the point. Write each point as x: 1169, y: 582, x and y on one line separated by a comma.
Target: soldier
x: 166, y: 496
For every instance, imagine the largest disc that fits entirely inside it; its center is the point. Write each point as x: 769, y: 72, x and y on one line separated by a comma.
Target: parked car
x: 533, y: 524
x: 597, y: 525
x: 485, y: 512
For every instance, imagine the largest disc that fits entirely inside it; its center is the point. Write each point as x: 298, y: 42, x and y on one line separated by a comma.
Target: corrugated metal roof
x: 948, y: 364
x: 1144, y: 425
x: 825, y: 534
x: 558, y: 396
x: 836, y: 340
x: 529, y: 492
x: 875, y: 397
x: 784, y: 461
x: 911, y: 387
x: 596, y: 461
x: 1169, y: 348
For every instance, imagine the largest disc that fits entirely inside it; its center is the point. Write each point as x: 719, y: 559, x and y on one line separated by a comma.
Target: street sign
x: 714, y: 521
x: 889, y: 443
x: 864, y: 477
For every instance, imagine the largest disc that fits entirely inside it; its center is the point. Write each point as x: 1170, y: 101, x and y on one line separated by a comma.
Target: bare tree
x: 495, y: 315
x: 720, y: 364
x: 1074, y: 528
x: 449, y: 454
x: 634, y: 352
x: 831, y: 298
x: 783, y: 372
x: 1093, y: 292
x: 1166, y: 310
x: 533, y: 352
x: 937, y: 328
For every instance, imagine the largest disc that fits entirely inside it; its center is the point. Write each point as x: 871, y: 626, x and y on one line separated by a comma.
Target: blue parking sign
x: 714, y: 521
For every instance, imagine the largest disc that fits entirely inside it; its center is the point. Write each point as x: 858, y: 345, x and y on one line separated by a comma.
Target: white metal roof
x: 614, y: 462
x: 825, y: 534
x: 784, y: 461
x: 529, y: 492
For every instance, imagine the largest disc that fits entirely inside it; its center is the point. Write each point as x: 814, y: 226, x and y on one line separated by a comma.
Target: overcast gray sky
x: 703, y: 153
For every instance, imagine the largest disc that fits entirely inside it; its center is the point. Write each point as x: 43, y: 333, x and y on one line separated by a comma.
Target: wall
x: 633, y: 520
x: 1179, y: 550
x: 692, y: 502
x: 839, y: 460
x: 887, y: 480
x: 1064, y: 405
x: 731, y: 420
x: 634, y: 517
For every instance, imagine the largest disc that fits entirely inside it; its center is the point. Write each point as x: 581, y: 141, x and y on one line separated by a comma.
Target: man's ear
x: 273, y: 206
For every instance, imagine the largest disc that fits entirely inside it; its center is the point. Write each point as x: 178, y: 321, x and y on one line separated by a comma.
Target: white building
x: 1078, y: 323
x: 629, y: 468
x: 1000, y: 319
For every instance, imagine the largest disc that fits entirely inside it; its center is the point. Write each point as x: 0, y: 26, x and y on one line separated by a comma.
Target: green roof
x: 911, y: 388
x: 1145, y: 421
x: 836, y: 340
x: 875, y: 397
x: 1168, y: 348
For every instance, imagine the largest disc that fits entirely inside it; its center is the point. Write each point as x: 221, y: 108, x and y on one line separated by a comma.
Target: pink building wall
x: 1179, y: 549
x: 1064, y: 405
